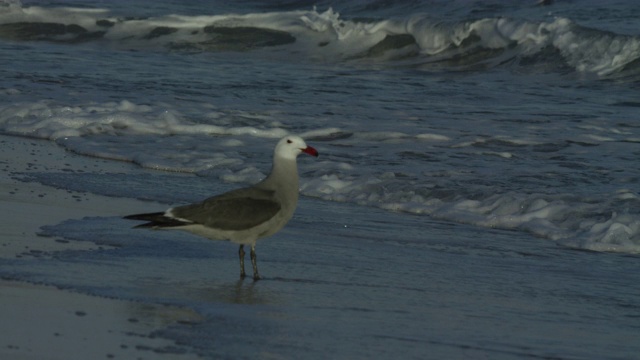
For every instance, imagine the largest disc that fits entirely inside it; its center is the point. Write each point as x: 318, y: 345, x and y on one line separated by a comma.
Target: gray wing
x: 236, y: 210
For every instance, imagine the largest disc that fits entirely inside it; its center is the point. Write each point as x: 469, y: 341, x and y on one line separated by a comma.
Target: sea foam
x: 326, y: 36
x: 156, y: 137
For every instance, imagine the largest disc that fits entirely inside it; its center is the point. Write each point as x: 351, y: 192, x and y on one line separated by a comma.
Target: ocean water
x: 476, y: 193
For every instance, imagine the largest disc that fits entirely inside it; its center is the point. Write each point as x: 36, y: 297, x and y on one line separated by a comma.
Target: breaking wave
x: 314, y: 35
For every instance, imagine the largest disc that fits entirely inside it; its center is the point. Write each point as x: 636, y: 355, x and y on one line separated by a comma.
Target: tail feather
x: 155, y: 220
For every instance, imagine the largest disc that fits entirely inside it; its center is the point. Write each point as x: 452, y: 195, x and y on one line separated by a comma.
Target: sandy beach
x: 45, y: 322
x: 79, y: 283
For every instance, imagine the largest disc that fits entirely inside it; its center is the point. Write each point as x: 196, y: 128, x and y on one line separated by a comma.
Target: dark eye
x: 289, y: 141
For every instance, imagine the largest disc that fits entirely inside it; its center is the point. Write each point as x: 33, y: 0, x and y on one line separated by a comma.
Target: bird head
x: 291, y: 146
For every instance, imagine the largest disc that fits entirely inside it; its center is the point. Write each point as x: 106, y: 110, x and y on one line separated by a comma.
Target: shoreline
x: 41, y: 321
x: 332, y: 277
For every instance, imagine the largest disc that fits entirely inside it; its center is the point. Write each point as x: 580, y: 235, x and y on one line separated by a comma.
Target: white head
x: 290, y: 146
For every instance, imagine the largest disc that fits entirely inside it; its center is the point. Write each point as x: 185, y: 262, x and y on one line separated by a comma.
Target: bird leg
x: 241, y: 254
x: 254, y: 263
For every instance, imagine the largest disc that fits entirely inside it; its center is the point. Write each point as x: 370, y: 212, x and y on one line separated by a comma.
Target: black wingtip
x: 145, y: 217
x: 154, y: 220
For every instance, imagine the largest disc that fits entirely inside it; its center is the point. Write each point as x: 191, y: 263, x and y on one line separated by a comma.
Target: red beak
x: 311, y: 151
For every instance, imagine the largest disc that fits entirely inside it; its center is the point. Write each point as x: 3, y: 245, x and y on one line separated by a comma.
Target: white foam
x: 433, y: 137
x: 55, y: 121
x: 159, y: 137
x: 52, y: 121
x: 620, y: 233
x: 627, y: 194
x: 559, y: 218
x: 502, y: 154
x: 587, y: 50
x: 327, y: 132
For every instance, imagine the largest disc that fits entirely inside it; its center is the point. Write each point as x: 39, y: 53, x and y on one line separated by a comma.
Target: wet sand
x: 45, y: 322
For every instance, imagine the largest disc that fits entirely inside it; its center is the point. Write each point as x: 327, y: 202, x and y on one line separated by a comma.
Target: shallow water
x: 377, y: 284
x: 472, y: 158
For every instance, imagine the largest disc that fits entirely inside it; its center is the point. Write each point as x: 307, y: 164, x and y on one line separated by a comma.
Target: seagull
x: 245, y: 215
